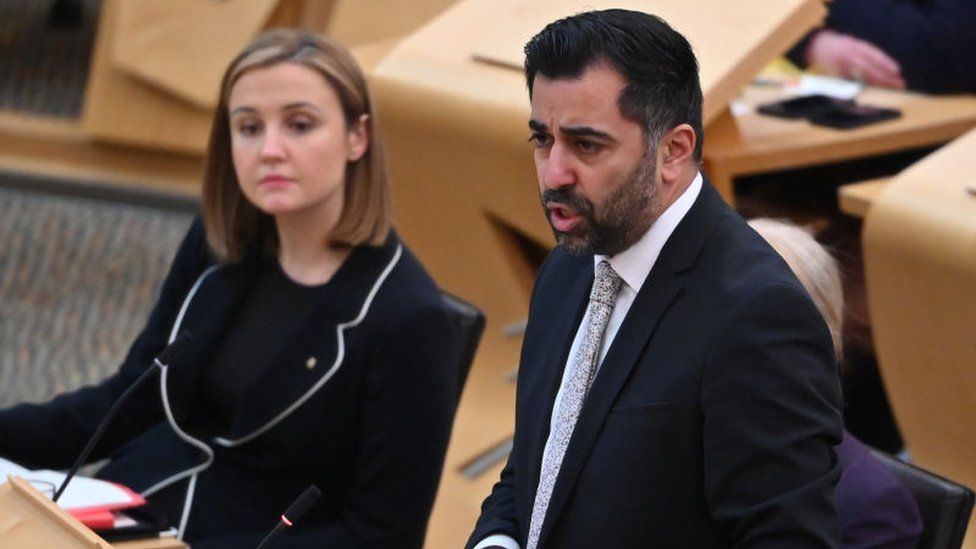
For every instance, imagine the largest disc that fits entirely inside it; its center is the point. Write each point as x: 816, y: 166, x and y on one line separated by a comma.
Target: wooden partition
x: 157, y: 66
x: 30, y: 520
x: 920, y: 266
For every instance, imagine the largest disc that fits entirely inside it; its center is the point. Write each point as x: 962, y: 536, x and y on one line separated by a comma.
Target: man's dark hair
x: 657, y: 62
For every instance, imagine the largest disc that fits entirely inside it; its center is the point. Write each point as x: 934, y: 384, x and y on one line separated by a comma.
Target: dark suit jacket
x: 711, y: 421
x: 934, y: 41
x: 371, y: 434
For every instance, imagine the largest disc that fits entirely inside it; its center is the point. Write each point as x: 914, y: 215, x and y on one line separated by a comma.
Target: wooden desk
x: 919, y: 238
x: 167, y: 543
x: 751, y: 143
x: 29, y: 519
x: 855, y: 199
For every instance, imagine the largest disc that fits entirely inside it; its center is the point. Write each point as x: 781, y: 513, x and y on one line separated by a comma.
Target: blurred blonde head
x: 233, y: 224
x: 813, y: 265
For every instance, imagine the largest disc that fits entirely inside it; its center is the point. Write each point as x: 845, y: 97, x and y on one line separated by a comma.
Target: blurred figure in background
x: 922, y: 45
x: 874, y: 508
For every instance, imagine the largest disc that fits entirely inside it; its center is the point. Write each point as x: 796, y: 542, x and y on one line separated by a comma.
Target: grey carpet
x: 78, y: 277
x: 43, y: 69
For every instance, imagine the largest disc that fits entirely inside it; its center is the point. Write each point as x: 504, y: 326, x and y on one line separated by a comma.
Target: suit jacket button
x: 311, y: 362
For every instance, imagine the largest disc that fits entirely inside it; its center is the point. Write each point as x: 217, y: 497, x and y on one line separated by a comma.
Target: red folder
x: 101, y: 517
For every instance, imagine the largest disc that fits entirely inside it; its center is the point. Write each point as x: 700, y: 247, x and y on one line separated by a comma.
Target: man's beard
x: 624, y: 217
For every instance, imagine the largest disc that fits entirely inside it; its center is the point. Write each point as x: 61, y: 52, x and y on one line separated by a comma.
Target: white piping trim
x: 164, y: 369
x: 187, y: 505
x: 191, y: 472
x: 186, y: 302
x: 340, y: 356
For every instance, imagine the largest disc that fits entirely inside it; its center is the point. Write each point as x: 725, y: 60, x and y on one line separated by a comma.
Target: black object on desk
x: 148, y: 524
x: 852, y: 115
x: 828, y: 111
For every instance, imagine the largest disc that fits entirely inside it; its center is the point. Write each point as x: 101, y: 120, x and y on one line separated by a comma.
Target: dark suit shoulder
x: 409, y: 287
x: 742, y: 265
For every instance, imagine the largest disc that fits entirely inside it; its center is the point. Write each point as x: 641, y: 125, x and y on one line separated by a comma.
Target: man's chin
x: 574, y: 243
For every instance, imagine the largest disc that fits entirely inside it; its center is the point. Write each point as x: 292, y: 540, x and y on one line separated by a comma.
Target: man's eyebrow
x: 585, y: 131
x: 574, y: 131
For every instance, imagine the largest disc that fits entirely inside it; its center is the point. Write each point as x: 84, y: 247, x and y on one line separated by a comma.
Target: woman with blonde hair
x: 874, y: 508
x: 322, y: 351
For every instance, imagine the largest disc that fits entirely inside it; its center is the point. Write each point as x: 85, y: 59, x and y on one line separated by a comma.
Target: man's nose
x: 556, y: 169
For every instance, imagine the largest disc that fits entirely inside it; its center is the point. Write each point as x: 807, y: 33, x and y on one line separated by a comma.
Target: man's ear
x: 357, y: 140
x: 675, y: 152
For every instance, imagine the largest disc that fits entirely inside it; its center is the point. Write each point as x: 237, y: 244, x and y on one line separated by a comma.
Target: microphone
x: 167, y: 356
x: 295, y: 511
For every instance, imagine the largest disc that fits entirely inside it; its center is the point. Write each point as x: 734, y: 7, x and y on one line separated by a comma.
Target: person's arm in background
x: 876, y: 510
x: 931, y: 42
x: 52, y: 435
x: 843, y: 55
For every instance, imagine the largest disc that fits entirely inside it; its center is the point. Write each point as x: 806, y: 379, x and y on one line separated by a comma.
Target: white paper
x: 82, y: 492
x: 812, y: 84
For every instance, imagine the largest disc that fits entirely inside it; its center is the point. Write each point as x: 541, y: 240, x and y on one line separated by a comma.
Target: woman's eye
x: 301, y: 125
x: 248, y: 128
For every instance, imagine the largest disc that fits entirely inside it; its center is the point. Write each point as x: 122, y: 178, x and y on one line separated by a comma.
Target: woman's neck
x: 304, y: 252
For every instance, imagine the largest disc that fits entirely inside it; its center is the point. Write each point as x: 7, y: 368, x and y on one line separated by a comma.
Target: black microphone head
x: 303, y: 503
x: 173, y: 351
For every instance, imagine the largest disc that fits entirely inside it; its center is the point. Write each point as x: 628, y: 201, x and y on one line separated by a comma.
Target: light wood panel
x: 358, y: 22
x: 920, y: 267
x: 30, y: 520
x: 855, y: 199
x: 183, y: 46
x: 59, y: 148
x: 121, y: 109
x: 156, y: 66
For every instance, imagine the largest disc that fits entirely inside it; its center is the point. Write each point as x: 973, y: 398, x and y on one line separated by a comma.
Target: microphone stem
x: 83, y: 457
x: 278, y: 527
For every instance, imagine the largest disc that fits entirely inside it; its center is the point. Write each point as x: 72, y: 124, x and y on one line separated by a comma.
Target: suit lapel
x: 663, y: 285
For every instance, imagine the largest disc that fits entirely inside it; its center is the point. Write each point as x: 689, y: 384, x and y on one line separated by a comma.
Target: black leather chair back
x: 470, y: 323
x: 945, y: 505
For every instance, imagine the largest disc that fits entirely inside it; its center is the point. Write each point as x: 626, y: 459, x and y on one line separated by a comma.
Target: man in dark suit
x: 677, y: 386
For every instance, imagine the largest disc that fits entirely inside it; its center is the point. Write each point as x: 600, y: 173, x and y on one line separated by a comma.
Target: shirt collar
x: 635, y: 263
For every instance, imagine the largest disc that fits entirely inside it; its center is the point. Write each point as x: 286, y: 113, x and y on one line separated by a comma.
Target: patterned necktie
x: 603, y: 296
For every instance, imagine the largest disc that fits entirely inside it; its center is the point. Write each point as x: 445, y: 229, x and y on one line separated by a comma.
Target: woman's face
x: 290, y: 142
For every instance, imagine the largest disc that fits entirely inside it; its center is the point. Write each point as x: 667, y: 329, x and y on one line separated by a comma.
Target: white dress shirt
x: 633, y: 265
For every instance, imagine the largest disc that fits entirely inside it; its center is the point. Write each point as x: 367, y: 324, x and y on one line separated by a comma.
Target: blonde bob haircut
x: 813, y: 265
x: 233, y: 224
